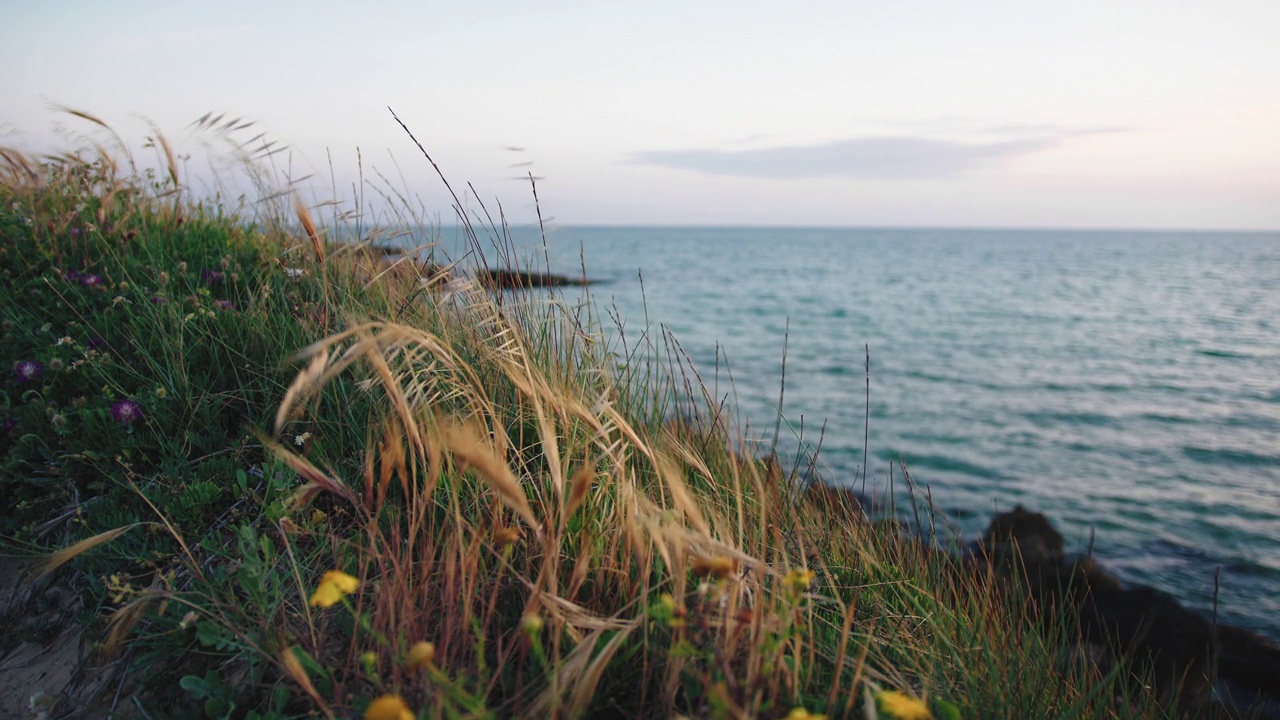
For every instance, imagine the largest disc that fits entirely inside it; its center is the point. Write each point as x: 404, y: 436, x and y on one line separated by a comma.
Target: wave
x: 1228, y: 456
x: 1170, y: 419
x: 1072, y: 418
x: 1229, y: 354
x: 941, y: 463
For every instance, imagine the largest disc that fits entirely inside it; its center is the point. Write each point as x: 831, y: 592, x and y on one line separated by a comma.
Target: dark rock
x: 840, y: 501
x: 520, y: 279
x: 1086, y: 576
x: 1241, y: 702
x: 1053, y: 582
x: 1162, y: 640
x: 400, y: 262
x: 1249, y: 660
x: 1025, y: 533
x: 1025, y: 543
x: 1152, y: 629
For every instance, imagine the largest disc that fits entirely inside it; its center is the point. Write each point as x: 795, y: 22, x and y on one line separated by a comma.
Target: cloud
x: 901, y: 158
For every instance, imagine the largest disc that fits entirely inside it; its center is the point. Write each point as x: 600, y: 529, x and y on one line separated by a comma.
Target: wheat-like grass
x: 309, y: 227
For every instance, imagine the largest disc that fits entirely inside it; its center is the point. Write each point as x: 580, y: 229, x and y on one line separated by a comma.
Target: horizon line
x: 985, y: 228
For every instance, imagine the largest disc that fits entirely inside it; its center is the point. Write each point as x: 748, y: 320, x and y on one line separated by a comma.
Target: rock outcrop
x: 839, y: 501
x: 521, y: 279
x: 1221, y: 666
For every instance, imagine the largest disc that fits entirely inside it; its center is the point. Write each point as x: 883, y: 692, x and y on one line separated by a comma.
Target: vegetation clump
x: 282, y: 479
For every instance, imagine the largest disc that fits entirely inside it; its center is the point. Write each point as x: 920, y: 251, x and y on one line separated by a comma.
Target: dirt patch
x: 44, y: 657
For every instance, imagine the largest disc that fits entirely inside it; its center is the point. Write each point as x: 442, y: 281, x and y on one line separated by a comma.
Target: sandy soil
x: 44, y: 658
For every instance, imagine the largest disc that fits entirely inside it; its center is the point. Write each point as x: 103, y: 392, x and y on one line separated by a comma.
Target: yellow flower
x: 902, y: 706
x: 802, y: 714
x: 333, y: 585
x: 388, y: 707
x: 797, y: 581
x: 420, y: 655
x: 532, y: 623
x: 669, y: 610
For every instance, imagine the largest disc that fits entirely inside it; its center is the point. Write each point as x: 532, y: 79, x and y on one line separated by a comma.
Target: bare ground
x: 46, y: 668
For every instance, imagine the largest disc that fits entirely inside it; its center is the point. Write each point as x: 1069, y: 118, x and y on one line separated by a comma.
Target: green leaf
x: 945, y: 710
x: 214, y: 635
x: 195, y: 685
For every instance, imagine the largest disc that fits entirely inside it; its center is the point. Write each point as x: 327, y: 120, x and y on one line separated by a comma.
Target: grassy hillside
x: 280, y: 476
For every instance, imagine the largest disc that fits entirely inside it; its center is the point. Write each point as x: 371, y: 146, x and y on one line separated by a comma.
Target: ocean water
x: 1124, y: 383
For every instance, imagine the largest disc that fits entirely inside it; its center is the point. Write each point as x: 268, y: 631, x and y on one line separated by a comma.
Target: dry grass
x: 526, y: 452
x: 546, y: 544
x: 569, y: 549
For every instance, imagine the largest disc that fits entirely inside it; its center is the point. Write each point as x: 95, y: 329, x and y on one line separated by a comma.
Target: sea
x: 1124, y: 383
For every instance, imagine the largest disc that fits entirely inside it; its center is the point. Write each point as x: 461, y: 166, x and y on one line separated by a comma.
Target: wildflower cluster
x: 335, y: 585
x: 96, y: 356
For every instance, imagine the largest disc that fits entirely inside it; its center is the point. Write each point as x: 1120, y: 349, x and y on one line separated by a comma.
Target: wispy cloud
x: 903, y: 158
x: 879, y: 158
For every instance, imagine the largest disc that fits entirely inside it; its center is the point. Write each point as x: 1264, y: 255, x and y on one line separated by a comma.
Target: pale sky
x: 1088, y: 113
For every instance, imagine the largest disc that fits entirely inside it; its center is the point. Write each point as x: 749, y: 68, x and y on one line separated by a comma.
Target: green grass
x: 495, y: 481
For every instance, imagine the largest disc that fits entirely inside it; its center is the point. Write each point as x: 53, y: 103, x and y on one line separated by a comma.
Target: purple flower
x: 224, y: 304
x: 126, y: 412
x: 28, y: 370
x: 7, y: 426
x: 96, y: 342
x: 211, y: 277
x: 159, y: 300
x: 91, y: 280
x: 74, y: 276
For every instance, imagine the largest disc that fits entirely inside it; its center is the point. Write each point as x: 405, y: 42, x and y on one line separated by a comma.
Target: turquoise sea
x: 1126, y: 384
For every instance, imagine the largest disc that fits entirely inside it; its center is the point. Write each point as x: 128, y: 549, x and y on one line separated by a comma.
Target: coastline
x: 442, y: 505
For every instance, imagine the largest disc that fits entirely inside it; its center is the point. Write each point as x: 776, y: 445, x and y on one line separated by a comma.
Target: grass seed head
x: 420, y: 656
x: 504, y: 536
x: 717, y: 567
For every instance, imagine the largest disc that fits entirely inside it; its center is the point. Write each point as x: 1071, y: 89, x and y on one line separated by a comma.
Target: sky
x: 1089, y: 113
